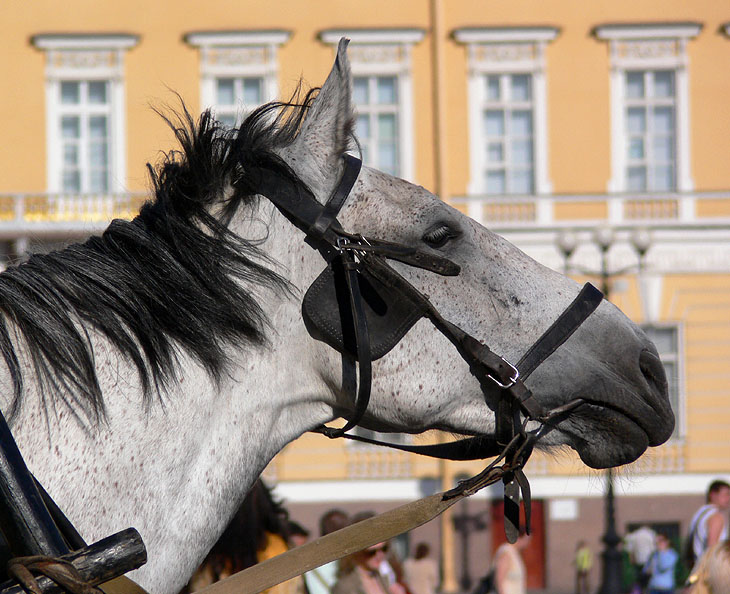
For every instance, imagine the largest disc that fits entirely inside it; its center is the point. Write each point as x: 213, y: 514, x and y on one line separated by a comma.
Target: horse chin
x: 604, y: 437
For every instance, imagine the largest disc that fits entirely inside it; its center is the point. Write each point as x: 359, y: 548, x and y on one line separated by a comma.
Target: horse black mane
x: 175, y: 276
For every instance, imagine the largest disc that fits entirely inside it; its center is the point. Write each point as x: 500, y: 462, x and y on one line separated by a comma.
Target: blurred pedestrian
x: 298, y: 534
x: 421, y: 571
x: 712, y: 573
x: 361, y: 572
x: 370, y: 571
x: 640, y: 544
x: 258, y: 531
x: 510, y: 575
x: 322, y: 579
x: 583, y: 564
x: 660, y: 567
x: 709, y: 524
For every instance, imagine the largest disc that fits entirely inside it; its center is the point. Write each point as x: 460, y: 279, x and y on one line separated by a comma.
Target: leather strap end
x: 511, y: 508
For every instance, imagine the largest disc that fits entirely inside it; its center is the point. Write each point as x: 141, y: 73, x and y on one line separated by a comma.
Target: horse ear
x: 327, y: 127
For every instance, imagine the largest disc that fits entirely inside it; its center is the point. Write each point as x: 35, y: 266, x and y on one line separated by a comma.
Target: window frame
x: 386, y: 52
x: 506, y: 51
x: 648, y: 104
x: 238, y: 55
x: 648, y: 47
x: 86, y: 58
x: 678, y: 359
x: 507, y: 106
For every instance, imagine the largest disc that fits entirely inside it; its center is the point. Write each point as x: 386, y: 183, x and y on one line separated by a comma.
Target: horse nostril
x: 653, y: 371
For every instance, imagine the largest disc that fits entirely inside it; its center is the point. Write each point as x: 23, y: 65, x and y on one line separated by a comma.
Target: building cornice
x: 373, y: 36
x: 64, y: 41
x: 685, y: 30
x: 468, y: 35
x: 237, y: 38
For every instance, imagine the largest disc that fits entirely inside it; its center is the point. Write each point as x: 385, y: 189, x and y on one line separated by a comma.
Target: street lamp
x: 604, y: 237
x: 466, y: 523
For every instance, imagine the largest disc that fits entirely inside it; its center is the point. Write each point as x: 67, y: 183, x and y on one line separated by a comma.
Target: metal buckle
x: 512, y: 380
x: 351, y: 244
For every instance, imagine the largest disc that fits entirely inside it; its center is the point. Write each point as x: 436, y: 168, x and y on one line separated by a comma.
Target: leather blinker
x: 328, y: 316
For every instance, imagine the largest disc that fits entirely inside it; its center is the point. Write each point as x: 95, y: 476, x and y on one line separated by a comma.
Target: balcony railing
x: 45, y: 213
x: 516, y: 212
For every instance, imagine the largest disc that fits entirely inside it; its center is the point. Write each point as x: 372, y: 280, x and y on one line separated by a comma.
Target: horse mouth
x: 605, y: 435
x: 620, y: 417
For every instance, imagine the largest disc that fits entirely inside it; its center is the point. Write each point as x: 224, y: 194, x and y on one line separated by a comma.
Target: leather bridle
x: 358, y: 289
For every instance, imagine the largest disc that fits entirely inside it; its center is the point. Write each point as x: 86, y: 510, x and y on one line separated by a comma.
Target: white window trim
x: 267, y: 68
x: 656, y: 57
x: 402, y: 69
x: 114, y: 46
x: 514, y: 37
x: 680, y: 415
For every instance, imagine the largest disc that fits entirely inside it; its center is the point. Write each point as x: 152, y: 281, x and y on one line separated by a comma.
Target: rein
x: 362, y: 307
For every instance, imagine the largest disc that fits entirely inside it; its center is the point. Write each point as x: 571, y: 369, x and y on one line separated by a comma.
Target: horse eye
x: 438, y: 235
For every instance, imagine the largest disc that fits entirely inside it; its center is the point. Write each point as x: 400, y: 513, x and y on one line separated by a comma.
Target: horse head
x: 501, y: 296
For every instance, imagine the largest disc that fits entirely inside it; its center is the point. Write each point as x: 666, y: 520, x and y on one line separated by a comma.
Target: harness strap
x: 331, y: 208
x: 362, y: 340
x: 561, y: 329
x: 488, y: 446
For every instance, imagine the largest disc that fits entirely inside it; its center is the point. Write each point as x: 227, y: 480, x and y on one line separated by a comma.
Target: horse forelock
x: 174, y: 276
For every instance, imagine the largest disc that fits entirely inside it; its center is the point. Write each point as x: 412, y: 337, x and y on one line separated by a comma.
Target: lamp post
x: 604, y: 237
x: 465, y: 523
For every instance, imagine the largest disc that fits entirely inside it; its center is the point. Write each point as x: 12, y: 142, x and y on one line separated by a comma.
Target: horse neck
x: 177, y: 469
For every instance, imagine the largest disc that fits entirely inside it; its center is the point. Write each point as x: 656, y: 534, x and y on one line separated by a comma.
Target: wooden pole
x: 98, y: 563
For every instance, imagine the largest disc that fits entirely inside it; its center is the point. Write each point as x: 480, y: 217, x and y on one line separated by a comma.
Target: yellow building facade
x: 564, y: 125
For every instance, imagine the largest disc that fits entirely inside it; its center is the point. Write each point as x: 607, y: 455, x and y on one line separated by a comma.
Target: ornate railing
x: 559, y: 210
x: 40, y: 212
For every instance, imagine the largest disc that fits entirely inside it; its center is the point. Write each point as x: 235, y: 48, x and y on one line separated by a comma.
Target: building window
x: 84, y: 117
x: 377, y: 124
x: 650, y: 130
x: 85, y: 112
x: 649, y: 107
x: 668, y: 344
x: 235, y: 97
x: 507, y: 109
x: 508, y: 134
x: 238, y: 71
x: 383, y: 95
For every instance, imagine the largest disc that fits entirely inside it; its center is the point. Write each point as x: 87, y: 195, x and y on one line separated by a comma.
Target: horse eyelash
x: 439, y: 235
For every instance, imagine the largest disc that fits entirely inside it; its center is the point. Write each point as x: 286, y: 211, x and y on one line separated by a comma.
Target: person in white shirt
x: 422, y: 572
x: 640, y: 544
x: 709, y: 525
x: 322, y: 579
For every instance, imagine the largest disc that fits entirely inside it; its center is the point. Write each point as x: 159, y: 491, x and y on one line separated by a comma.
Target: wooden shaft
x: 100, y: 562
x: 24, y: 519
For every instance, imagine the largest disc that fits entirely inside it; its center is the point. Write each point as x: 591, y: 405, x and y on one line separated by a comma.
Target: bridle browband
x: 362, y: 307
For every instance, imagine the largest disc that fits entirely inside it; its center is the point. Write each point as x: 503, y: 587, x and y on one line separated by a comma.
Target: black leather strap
x: 561, y: 329
x: 362, y: 340
x: 331, y: 209
x: 403, y: 253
